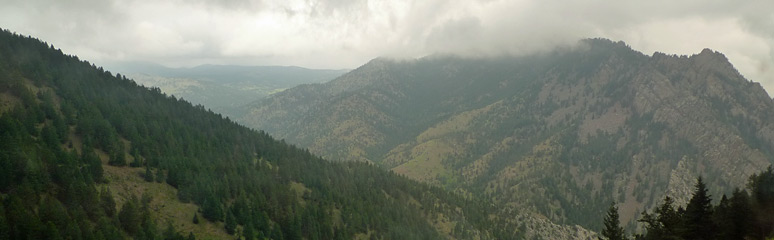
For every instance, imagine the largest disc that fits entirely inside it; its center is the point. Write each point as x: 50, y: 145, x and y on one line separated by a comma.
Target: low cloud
x: 347, y: 33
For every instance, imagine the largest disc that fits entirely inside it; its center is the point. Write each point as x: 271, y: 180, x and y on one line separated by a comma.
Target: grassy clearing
x: 165, y: 207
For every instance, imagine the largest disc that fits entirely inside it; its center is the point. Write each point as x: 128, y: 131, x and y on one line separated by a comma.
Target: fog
x: 346, y: 33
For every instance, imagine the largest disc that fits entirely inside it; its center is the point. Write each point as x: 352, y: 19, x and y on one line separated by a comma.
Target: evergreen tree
x: 148, y: 176
x: 195, y: 219
x: 276, y: 233
x: 106, y: 228
x: 762, y: 197
x: 613, y: 229
x: 698, y: 214
x: 107, y: 202
x: 664, y: 223
x: 5, y: 231
x: 741, y: 215
x: 230, y: 223
x: 248, y: 232
x: 117, y: 155
x: 211, y: 210
x: 130, y: 216
x: 136, y: 161
x: 722, y: 216
x: 170, y: 233
x: 92, y: 162
x: 160, y: 178
x: 52, y: 232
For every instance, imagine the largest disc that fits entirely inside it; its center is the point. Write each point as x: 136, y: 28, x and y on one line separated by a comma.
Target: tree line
x: 746, y: 214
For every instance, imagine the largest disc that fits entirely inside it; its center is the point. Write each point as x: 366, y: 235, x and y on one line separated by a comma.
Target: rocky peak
x: 502, y: 128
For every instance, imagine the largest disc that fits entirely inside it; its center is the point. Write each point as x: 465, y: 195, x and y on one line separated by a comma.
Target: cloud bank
x: 347, y: 33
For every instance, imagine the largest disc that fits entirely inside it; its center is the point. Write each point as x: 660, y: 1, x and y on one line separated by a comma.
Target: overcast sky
x: 347, y: 33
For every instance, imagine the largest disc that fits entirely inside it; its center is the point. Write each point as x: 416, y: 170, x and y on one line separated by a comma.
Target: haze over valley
x: 379, y: 119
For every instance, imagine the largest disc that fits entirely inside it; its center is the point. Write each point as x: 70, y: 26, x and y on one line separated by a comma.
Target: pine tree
x: 160, y: 178
x: 117, y: 155
x: 148, y: 174
x: 722, y: 218
x: 741, y: 215
x: 698, y: 214
x: 136, y: 161
x: 130, y: 216
x: 669, y: 220
x: 107, y: 202
x: 93, y: 163
x: 230, y: 223
x: 5, y: 231
x: 211, y: 209
x: 170, y: 232
x: 762, y: 195
x: 196, y: 219
x: 613, y: 229
x: 248, y: 232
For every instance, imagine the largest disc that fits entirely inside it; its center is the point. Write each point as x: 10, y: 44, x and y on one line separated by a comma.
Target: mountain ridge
x: 523, y: 129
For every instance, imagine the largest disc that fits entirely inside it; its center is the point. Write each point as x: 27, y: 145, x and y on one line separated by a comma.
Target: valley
x: 561, y: 134
x: 223, y: 88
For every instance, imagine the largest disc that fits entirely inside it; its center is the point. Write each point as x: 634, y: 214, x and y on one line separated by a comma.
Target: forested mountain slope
x: 74, y: 140
x: 561, y: 133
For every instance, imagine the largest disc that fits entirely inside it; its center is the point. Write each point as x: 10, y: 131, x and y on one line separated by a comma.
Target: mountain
x: 86, y: 154
x: 222, y: 88
x: 561, y: 133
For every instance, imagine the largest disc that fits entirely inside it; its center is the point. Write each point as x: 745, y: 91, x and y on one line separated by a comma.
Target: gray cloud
x: 346, y: 33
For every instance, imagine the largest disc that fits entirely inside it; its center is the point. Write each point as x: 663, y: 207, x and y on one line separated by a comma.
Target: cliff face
x: 560, y: 134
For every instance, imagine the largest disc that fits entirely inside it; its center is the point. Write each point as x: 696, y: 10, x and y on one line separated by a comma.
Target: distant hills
x: 561, y: 134
x: 222, y: 88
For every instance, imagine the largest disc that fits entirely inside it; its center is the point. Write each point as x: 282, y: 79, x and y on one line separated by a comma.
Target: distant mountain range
x: 222, y: 88
x: 561, y: 134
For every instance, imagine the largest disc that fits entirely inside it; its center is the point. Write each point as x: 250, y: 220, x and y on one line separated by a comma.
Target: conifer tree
x: 136, y: 161
x: 698, y: 214
x: 613, y: 229
x: 211, y: 209
x: 148, y: 176
x: 248, y: 232
x: 130, y: 216
x: 4, y: 229
x: 741, y: 214
x: 117, y: 155
x: 230, y: 223
x: 92, y: 162
x: 107, y: 202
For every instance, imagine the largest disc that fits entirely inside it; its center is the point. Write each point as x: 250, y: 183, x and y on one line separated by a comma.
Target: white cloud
x: 347, y: 33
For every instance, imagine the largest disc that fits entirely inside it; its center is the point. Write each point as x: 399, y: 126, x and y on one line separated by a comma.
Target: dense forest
x: 63, y: 120
x: 745, y: 215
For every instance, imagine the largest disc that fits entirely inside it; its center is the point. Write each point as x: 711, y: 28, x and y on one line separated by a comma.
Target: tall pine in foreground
x: 747, y: 214
x: 613, y: 229
x: 698, y: 214
x: 664, y: 223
